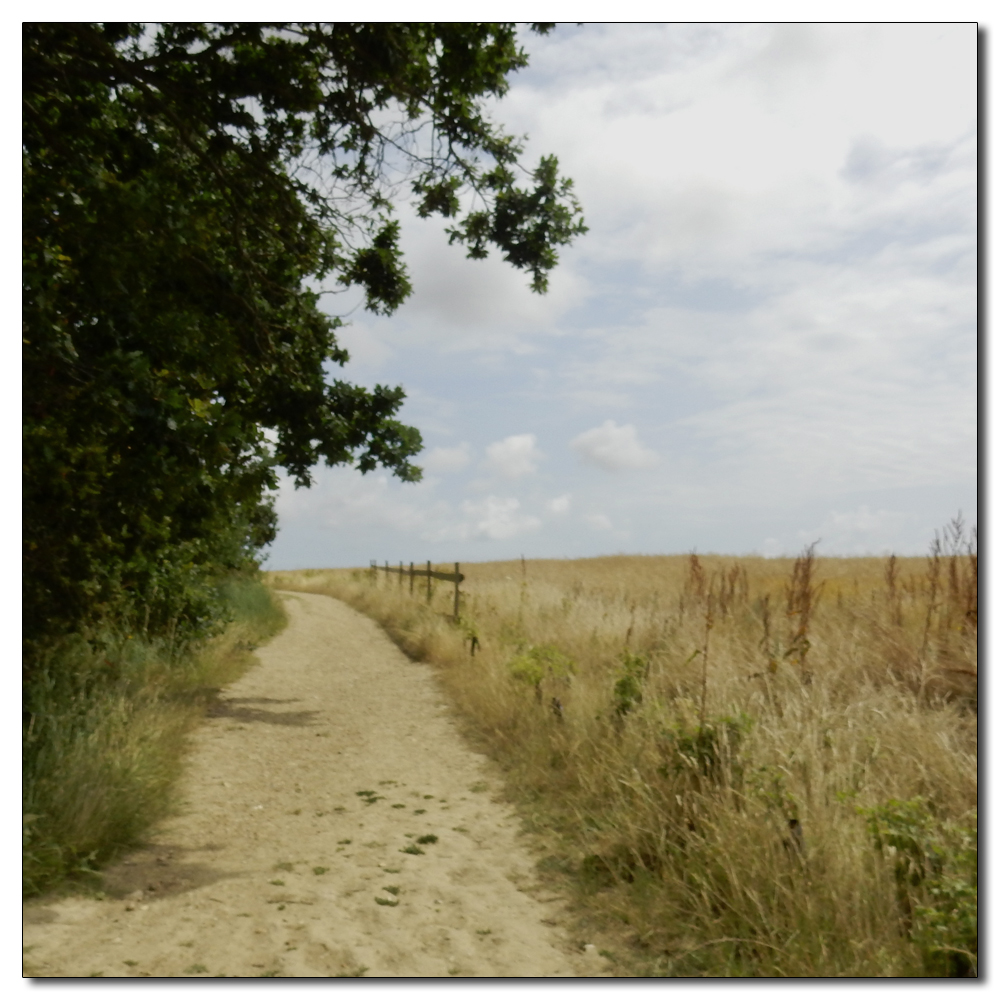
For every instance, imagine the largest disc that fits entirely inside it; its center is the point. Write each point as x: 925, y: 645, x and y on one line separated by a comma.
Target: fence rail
x: 432, y: 574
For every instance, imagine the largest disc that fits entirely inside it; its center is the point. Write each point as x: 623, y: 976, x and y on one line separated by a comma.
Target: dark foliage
x: 183, y: 184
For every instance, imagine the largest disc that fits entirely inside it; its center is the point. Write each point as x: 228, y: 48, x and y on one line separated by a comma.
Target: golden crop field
x: 740, y: 767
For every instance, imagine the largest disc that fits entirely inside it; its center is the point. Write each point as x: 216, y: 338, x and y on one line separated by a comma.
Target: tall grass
x: 104, y: 733
x: 750, y: 767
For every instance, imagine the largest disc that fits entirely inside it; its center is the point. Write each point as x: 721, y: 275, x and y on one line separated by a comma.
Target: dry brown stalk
x: 681, y: 806
x: 801, y: 597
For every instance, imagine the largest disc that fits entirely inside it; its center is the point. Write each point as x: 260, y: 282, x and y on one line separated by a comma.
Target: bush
x: 538, y: 663
x: 710, y: 749
x: 936, y: 868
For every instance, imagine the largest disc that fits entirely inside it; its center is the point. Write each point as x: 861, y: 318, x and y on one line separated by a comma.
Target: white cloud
x: 860, y: 532
x: 727, y: 149
x: 771, y: 548
x: 779, y: 278
x: 494, y: 518
x: 559, y: 505
x: 613, y: 448
x: 341, y: 499
x: 513, y: 457
x: 378, y: 511
x: 446, y: 459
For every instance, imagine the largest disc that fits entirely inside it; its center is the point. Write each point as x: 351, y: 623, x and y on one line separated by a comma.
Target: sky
x: 767, y: 337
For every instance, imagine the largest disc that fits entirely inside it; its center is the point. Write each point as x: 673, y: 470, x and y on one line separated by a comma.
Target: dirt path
x: 306, y: 846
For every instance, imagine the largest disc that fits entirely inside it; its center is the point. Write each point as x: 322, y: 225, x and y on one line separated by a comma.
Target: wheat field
x: 741, y: 767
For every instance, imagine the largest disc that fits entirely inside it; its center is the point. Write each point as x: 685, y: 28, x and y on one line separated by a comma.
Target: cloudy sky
x: 767, y: 337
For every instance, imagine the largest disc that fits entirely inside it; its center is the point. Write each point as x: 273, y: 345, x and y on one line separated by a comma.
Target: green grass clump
x: 105, y: 721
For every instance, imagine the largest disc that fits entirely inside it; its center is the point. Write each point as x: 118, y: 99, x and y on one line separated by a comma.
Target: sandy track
x: 276, y: 863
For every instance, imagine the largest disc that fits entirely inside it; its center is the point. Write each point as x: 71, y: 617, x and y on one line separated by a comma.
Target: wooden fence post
x: 400, y: 575
x: 411, y: 579
x: 428, y: 581
x: 456, y: 591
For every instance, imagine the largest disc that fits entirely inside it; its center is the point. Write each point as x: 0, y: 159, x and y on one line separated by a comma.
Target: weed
x: 538, y: 663
x: 284, y: 866
x: 277, y: 881
x: 710, y: 748
x: 419, y: 812
x: 427, y: 838
x: 195, y: 969
x: 935, y: 866
x: 801, y: 597
x: 720, y: 724
x: 628, y: 687
x: 411, y: 849
x: 319, y: 870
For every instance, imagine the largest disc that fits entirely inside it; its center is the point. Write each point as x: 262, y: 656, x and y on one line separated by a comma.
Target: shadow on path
x: 243, y: 710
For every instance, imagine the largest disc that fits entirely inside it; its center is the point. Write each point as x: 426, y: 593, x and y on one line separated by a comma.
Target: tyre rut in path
x: 306, y: 796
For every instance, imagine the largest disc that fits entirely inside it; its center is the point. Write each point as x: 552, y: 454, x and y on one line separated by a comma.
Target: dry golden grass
x: 698, y: 737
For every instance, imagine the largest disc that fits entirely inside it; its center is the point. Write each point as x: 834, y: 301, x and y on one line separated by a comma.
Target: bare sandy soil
x: 334, y: 824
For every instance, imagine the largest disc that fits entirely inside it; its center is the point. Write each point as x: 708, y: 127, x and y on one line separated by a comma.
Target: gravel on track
x: 334, y: 823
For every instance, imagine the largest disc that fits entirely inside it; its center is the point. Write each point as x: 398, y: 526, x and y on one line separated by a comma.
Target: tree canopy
x: 187, y: 188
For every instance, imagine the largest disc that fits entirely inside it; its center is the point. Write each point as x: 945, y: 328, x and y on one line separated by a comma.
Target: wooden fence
x: 431, y: 574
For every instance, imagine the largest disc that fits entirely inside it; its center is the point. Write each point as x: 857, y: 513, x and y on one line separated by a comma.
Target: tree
x: 186, y: 187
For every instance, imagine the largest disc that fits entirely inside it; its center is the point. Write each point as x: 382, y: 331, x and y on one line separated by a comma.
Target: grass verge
x: 754, y: 767
x: 104, y: 734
